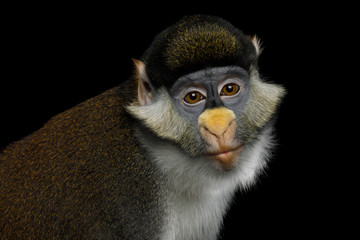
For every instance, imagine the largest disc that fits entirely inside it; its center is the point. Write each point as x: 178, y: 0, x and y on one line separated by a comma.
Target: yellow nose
x: 216, y: 120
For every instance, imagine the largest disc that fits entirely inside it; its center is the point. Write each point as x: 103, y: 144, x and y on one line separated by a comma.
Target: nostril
x: 206, y: 129
x: 220, y: 131
x: 216, y: 131
x: 231, y: 125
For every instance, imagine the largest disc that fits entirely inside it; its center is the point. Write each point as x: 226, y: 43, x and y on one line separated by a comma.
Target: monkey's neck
x: 196, y: 217
x: 197, y: 194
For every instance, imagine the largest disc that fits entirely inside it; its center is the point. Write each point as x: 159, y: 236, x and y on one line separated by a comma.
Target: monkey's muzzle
x: 218, y: 127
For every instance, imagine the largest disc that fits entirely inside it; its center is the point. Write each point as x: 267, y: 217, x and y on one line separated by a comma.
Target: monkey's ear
x: 257, y: 44
x: 144, y: 88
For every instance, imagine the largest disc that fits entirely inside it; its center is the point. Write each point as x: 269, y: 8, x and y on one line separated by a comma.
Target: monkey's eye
x: 230, y: 89
x: 193, y: 97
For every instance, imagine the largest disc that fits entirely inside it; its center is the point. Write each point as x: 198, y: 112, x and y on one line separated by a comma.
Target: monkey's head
x: 199, y: 88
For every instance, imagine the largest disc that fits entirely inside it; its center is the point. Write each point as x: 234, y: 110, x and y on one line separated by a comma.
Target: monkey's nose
x: 220, y: 131
x: 217, y: 121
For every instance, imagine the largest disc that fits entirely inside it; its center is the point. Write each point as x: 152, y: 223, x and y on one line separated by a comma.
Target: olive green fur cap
x: 195, y: 43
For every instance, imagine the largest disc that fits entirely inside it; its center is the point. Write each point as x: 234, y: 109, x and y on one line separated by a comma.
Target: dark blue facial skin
x: 209, y: 83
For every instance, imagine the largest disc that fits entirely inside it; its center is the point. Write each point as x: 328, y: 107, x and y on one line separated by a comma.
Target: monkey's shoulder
x: 94, y: 137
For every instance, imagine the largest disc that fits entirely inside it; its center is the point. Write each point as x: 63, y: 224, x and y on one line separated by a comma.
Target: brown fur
x: 200, y: 44
x: 79, y: 176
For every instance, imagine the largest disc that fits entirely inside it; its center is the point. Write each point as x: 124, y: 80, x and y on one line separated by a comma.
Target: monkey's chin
x: 225, y: 159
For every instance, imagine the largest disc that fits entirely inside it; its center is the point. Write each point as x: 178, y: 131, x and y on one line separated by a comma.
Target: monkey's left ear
x: 144, y: 88
x: 257, y: 44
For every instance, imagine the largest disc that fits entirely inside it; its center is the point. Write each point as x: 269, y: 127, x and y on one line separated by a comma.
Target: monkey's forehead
x: 194, y: 43
x: 210, y: 75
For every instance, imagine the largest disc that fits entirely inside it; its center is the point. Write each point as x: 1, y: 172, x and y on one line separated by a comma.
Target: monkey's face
x: 211, y: 100
x: 213, y: 114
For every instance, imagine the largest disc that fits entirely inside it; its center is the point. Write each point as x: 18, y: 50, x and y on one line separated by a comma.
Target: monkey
x: 160, y: 156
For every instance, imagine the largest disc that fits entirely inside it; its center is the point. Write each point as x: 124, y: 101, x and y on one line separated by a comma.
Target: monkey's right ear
x: 144, y: 88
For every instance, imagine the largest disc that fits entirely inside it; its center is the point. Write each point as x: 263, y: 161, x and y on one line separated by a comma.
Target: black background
x: 56, y: 56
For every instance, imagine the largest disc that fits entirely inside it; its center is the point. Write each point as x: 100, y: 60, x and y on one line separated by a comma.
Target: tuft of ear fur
x: 144, y: 88
x: 257, y: 44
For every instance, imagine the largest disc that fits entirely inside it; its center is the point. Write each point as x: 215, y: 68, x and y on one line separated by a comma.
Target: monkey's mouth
x: 226, y: 156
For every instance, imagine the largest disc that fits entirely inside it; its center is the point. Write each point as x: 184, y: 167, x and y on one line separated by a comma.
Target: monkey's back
x: 82, y: 176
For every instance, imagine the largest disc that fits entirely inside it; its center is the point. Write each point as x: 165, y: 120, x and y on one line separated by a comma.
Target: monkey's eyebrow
x: 189, y: 79
x: 235, y: 70
x: 186, y: 80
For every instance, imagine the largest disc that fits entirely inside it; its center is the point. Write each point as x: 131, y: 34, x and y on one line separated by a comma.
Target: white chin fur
x: 200, y: 193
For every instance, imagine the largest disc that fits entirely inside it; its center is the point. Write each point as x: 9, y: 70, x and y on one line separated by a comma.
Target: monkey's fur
x: 110, y: 168
x: 83, y: 175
